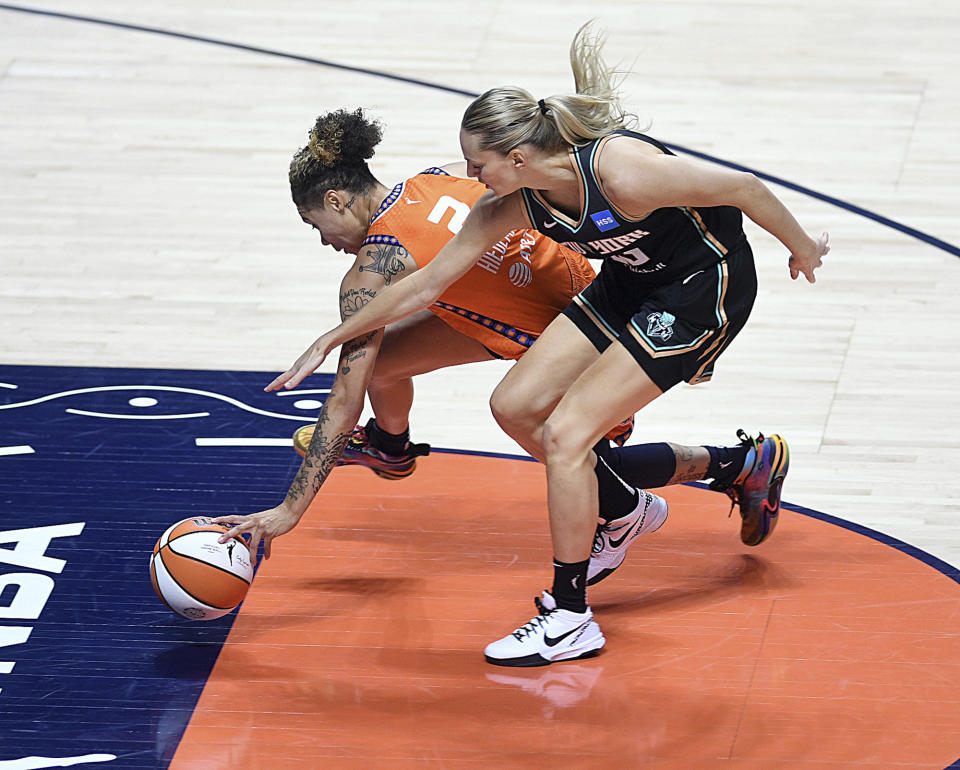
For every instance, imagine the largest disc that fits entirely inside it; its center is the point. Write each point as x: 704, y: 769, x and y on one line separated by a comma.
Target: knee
x: 564, y: 439
x: 507, y: 407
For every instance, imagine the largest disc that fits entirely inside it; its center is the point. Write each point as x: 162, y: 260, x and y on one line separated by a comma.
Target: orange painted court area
x: 361, y: 641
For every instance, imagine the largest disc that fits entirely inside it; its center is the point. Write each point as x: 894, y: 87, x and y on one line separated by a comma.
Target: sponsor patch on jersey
x: 604, y: 220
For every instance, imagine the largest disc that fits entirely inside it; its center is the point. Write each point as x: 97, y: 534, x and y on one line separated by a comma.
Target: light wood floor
x: 145, y: 218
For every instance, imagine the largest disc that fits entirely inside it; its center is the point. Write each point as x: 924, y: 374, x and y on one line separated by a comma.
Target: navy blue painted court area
x: 94, y: 465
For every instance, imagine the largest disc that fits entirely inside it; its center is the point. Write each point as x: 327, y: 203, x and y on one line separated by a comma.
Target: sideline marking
x: 34, y: 763
x: 244, y: 442
x: 23, y: 449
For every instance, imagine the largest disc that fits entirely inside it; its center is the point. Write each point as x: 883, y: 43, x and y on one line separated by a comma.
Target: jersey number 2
x: 460, y: 212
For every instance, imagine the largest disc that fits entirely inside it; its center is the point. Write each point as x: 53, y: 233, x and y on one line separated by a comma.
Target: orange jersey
x: 515, y: 289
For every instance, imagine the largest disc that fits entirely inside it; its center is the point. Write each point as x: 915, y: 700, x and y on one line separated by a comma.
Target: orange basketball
x: 196, y: 576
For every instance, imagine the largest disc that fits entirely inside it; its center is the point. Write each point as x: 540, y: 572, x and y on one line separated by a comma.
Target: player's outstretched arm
x: 339, y: 415
x: 669, y: 180
x: 489, y: 219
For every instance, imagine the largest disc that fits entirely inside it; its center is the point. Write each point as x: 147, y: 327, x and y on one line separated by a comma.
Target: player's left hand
x: 265, y: 526
x: 303, y: 367
x: 811, y: 260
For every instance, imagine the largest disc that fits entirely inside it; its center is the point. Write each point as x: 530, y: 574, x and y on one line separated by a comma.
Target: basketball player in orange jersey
x: 677, y: 284
x: 497, y: 310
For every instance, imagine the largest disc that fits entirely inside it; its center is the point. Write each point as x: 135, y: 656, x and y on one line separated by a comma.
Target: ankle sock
x: 389, y: 443
x: 570, y: 585
x: 726, y: 464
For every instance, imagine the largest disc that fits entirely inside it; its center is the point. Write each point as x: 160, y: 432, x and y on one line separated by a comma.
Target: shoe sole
x: 605, y: 573
x: 771, y: 503
x: 383, y: 474
x: 301, y: 441
x: 532, y: 661
x: 536, y: 659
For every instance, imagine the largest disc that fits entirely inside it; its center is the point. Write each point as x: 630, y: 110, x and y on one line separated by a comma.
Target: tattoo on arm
x: 354, y: 351
x: 350, y: 302
x: 353, y: 299
x: 387, y: 260
x: 321, y: 458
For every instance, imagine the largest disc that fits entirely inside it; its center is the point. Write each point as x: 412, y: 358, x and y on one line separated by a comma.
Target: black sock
x: 726, y: 462
x: 643, y: 465
x: 389, y: 443
x: 570, y: 585
x: 617, y: 498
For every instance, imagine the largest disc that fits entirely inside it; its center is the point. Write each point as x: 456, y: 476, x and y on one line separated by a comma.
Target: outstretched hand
x: 807, y: 263
x: 303, y: 367
x: 265, y: 526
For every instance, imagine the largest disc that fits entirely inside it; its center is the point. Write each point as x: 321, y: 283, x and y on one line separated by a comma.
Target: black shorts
x: 676, y: 331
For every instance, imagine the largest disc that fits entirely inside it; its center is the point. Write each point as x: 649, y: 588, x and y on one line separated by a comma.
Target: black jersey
x: 667, y: 244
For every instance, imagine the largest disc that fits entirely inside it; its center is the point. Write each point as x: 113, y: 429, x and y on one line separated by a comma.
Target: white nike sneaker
x: 614, y: 537
x: 553, y: 635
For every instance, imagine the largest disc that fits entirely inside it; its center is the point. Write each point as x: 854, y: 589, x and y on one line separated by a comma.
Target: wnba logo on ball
x: 520, y: 274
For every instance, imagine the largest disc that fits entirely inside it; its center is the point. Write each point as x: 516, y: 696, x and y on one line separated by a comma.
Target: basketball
x: 194, y: 575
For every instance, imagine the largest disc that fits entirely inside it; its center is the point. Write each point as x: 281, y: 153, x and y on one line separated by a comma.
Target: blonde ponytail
x: 505, y: 118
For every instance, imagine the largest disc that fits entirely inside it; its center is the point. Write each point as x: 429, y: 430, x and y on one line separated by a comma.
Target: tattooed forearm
x: 321, y: 458
x: 386, y: 259
x: 353, y: 299
x: 354, y: 351
x: 327, y: 458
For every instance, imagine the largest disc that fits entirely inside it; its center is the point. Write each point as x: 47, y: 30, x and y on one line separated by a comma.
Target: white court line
x: 83, y: 413
x: 167, y: 388
x: 244, y: 442
x: 7, y: 385
x: 34, y: 763
x: 303, y: 392
x: 23, y: 449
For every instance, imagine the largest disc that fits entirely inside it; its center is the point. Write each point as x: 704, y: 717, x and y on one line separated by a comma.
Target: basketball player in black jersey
x: 677, y: 284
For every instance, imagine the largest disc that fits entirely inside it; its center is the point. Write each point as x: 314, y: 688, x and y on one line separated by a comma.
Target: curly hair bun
x: 343, y: 138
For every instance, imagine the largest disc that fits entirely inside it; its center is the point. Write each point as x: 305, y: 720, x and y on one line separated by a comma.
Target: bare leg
x: 417, y: 344
x: 534, y: 386
x: 692, y: 463
x: 612, y: 386
x: 531, y: 390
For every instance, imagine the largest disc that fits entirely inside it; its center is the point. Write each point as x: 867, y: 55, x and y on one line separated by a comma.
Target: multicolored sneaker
x: 553, y: 635
x: 757, y: 488
x: 613, y: 538
x: 620, y: 432
x: 359, y: 451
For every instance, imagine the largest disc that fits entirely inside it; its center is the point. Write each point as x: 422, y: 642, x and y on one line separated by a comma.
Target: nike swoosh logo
x: 548, y: 225
x: 410, y: 201
x: 724, y: 465
x: 691, y: 276
x: 616, y: 543
x: 553, y: 642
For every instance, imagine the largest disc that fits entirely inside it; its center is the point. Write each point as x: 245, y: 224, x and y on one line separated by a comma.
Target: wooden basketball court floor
x: 153, y: 273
